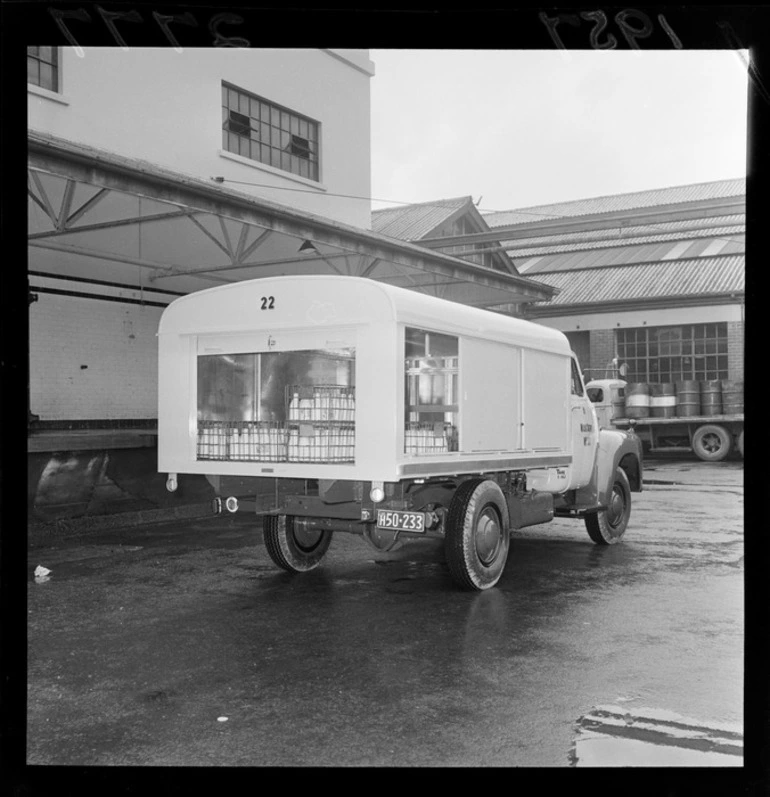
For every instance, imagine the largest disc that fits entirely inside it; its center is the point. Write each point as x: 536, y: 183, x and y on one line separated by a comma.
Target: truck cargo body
x: 343, y: 404
x: 710, y: 437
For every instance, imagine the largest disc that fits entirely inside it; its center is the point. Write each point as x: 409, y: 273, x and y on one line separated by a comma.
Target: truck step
x: 658, y: 449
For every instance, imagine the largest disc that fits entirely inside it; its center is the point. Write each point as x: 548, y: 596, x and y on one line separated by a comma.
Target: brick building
x: 652, y: 280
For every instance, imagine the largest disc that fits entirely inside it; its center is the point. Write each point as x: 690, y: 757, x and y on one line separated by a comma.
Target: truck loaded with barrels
x: 705, y: 417
x: 326, y: 404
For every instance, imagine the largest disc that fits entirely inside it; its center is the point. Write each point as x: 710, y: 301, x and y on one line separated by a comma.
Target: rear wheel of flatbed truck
x: 292, y: 549
x: 711, y: 443
x: 477, y: 534
x: 607, y: 526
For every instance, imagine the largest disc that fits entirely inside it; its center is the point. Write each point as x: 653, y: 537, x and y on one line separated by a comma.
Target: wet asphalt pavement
x: 182, y: 644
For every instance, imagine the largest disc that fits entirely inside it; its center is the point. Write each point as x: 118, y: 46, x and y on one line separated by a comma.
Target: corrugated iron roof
x: 618, y: 202
x: 574, y: 258
x: 696, y: 276
x: 628, y: 236
x: 412, y: 222
x: 722, y: 234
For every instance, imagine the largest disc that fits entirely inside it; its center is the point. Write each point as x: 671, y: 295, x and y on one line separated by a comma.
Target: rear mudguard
x: 616, y: 449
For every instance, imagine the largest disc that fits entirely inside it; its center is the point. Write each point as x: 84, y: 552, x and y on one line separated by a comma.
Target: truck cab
x: 608, y: 397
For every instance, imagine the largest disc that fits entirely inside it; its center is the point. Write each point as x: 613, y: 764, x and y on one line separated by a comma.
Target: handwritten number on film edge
x: 110, y: 18
x: 599, y: 19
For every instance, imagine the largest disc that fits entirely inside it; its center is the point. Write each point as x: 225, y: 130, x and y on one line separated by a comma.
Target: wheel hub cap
x: 307, y: 539
x: 616, y: 508
x: 488, y: 536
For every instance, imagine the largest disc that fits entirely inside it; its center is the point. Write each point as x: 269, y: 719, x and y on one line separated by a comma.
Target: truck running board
x: 577, y: 512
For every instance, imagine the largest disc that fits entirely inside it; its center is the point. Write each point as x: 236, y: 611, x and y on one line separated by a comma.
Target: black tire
x: 607, y: 526
x: 711, y: 443
x: 295, y: 551
x: 739, y: 443
x: 477, y: 534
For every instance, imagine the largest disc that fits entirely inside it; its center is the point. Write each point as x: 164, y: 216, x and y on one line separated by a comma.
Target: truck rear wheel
x: 607, y: 526
x: 477, y: 534
x: 711, y: 443
x: 294, y: 550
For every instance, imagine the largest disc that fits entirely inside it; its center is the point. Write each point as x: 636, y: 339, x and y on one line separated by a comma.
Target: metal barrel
x: 662, y: 400
x: 637, y: 400
x: 687, y: 398
x: 732, y: 397
x: 711, y: 397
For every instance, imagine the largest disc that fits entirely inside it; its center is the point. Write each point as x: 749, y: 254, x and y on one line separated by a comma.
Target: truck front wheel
x: 607, y: 526
x: 477, y: 534
x: 711, y: 443
x: 294, y: 550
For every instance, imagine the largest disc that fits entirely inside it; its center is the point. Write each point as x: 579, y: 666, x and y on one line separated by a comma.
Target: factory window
x: 267, y: 133
x: 673, y: 354
x: 43, y: 67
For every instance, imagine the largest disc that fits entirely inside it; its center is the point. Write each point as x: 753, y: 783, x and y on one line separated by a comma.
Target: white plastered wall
x: 164, y: 107
x: 92, y: 359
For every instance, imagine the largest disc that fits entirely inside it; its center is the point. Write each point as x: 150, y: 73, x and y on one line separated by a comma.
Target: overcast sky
x: 522, y: 128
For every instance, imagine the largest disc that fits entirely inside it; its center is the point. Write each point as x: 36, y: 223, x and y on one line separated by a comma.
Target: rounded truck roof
x: 606, y: 383
x: 333, y: 300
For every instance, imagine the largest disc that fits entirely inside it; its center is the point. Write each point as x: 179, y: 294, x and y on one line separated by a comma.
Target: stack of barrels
x: 683, y: 399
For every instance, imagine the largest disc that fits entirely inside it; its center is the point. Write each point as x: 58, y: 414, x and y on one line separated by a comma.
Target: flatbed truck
x: 710, y: 437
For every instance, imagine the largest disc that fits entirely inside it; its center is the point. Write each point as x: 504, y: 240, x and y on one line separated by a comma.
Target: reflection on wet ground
x: 141, y: 640
x: 609, y: 736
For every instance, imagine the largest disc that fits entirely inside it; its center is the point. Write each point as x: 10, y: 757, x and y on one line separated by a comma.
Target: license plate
x: 400, y: 521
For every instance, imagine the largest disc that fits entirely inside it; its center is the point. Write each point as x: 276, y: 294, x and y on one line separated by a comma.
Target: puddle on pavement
x: 613, y: 736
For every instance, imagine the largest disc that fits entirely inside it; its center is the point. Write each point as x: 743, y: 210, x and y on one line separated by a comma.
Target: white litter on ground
x: 42, y: 574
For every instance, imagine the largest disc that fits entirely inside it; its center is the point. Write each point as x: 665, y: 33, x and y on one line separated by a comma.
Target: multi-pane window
x: 672, y: 354
x: 43, y: 67
x: 265, y: 132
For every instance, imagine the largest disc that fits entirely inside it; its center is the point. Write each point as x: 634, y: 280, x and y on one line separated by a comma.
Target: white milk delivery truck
x: 333, y: 403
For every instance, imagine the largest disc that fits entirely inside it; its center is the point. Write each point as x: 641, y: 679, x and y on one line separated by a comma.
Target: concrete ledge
x: 45, y: 532
x: 91, y: 439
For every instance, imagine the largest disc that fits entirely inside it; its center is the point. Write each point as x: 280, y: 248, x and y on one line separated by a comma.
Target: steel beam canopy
x: 86, y: 204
